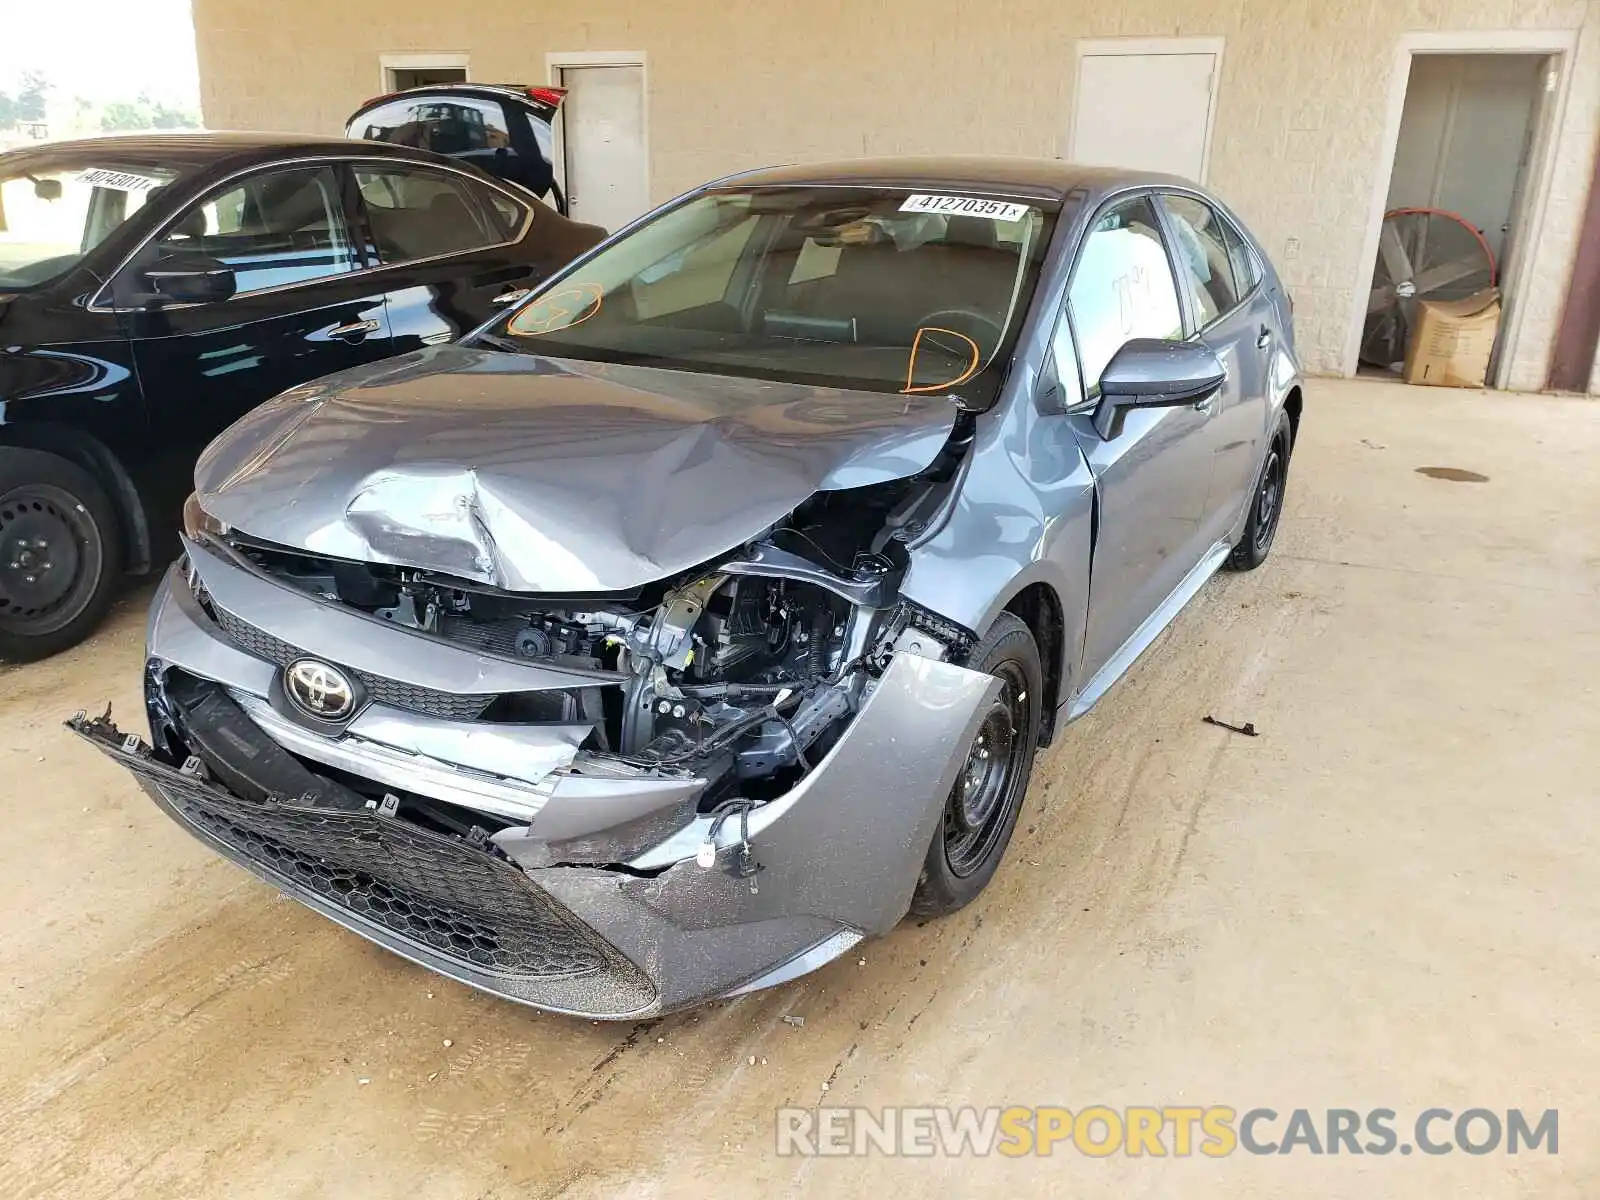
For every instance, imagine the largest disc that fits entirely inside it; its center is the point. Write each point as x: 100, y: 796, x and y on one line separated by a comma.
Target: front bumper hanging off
x: 839, y: 856
x: 434, y: 899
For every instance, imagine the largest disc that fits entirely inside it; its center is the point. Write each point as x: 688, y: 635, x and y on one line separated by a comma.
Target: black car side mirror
x: 190, y: 278
x: 1151, y: 373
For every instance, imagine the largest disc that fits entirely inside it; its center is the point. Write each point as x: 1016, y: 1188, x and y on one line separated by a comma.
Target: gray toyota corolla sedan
x: 702, y: 616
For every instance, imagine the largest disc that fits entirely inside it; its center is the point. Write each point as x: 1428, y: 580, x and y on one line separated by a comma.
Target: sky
x: 102, y: 49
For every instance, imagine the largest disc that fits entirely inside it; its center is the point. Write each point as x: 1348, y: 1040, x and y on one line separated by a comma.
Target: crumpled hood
x: 543, y: 475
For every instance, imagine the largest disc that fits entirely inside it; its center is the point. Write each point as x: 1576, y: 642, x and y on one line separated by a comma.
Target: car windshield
x: 871, y: 288
x: 51, y: 217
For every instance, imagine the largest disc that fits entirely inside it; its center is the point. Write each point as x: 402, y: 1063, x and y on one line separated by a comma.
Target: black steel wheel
x: 981, y: 810
x: 976, y: 814
x: 60, y: 554
x: 1266, y: 503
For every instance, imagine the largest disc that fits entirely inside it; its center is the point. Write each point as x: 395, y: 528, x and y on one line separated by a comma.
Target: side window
x: 1122, y: 287
x: 417, y: 213
x: 505, y: 212
x: 1064, y: 362
x: 1202, y: 252
x: 1245, y: 269
x: 275, y: 228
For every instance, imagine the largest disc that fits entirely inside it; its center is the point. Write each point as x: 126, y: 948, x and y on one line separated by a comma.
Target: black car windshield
x: 884, y: 290
x: 51, y: 216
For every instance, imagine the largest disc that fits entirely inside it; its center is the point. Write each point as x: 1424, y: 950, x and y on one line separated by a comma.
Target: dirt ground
x: 1387, y: 899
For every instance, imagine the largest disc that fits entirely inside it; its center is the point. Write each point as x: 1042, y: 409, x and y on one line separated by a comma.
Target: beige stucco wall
x: 1297, y: 148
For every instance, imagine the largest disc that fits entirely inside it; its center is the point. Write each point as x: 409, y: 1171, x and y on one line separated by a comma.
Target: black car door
x: 454, y: 248
x: 302, y: 306
x: 1232, y: 318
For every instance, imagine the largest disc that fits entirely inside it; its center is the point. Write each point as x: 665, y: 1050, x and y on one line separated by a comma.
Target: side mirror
x: 190, y: 278
x: 1150, y: 373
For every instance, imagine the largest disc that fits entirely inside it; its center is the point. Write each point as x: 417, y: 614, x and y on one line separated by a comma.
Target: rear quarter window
x: 1245, y: 267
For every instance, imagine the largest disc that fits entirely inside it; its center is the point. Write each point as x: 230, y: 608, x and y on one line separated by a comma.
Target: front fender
x: 1024, y: 515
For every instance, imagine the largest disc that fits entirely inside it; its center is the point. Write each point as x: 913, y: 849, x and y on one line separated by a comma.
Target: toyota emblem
x: 319, y: 690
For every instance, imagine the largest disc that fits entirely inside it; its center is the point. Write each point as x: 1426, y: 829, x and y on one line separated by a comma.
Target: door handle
x: 355, y: 329
x: 512, y: 296
x: 1264, y: 338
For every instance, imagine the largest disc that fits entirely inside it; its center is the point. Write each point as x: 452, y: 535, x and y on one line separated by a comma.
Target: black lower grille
x: 461, y: 906
x: 451, y: 706
x: 427, y: 890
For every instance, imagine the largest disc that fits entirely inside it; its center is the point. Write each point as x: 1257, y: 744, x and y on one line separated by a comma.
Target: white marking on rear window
x: 965, y: 206
x: 118, y: 181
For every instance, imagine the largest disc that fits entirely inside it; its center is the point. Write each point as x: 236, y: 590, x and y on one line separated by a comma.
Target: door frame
x: 1117, y: 47
x: 557, y: 61
x: 388, y: 63
x: 1528, y: 219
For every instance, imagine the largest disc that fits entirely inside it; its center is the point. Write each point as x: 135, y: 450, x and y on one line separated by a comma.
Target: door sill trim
x: 1119, y: 663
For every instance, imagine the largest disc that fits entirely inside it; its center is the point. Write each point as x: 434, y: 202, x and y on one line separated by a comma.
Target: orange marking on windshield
x: 550, y: 314
x: 911, y: 363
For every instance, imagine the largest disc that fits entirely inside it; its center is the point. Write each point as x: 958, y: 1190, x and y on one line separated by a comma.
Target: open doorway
x: 1455, y: 215
x: 410, y: 77
x: 402, y: 71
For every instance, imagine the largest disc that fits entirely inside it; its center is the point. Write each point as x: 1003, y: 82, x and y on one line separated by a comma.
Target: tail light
x: 553, y: 96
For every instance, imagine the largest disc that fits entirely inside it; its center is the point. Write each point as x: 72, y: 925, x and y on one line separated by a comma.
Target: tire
x: 1266, y: 502
x: 61, y: 554
x: 980, y: 813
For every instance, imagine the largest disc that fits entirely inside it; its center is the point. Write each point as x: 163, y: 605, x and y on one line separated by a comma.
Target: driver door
x: 1153, y: 476
x: 301, y: 307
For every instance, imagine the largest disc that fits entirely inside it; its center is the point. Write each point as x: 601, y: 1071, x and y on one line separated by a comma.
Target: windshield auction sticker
x: 965, y: 206
x: 118, y: 181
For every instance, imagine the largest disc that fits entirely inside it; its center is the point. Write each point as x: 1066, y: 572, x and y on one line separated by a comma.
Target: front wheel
x: 60, y: 554
x: 981, y: 811
x: 1266, y: 502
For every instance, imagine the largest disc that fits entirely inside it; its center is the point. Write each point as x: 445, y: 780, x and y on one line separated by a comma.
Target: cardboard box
x: 1451, y: 340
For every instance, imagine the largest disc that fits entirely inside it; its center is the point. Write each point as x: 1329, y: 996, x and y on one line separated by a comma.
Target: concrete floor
x: 1388, y: 899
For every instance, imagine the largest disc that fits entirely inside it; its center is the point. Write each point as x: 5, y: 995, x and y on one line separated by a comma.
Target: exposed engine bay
x: 741, y: 673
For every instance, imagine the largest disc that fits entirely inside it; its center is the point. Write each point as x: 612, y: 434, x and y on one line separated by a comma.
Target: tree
x: 30, y: 102
x: 8, y: 111
x: 145, y: 113
x: 122, y: 115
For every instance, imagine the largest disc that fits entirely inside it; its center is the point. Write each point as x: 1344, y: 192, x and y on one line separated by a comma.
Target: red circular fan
x: 1423, y: 254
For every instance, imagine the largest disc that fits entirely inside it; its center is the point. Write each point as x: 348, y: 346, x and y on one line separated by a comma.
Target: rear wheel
x: 981, y: 811
x: 1266, y: 503
x: 60, y: 554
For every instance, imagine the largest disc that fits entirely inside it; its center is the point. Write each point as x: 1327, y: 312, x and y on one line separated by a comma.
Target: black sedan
x: 153, y: 289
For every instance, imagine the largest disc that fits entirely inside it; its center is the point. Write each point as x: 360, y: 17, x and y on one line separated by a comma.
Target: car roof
x: 187, y: 152
x: 1050, y: 178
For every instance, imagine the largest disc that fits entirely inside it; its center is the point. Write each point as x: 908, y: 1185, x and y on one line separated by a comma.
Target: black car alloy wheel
x: 990, y: 786
x: 51, y: 559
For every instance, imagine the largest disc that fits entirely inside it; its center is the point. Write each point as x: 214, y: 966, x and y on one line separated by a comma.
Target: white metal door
x: 603, y: 144
x: 1148, y: 112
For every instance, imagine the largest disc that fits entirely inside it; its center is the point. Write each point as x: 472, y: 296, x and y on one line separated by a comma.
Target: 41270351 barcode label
x: 965, y: 206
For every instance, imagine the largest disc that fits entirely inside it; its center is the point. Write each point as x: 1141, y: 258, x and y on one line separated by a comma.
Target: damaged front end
x: 608, y: 804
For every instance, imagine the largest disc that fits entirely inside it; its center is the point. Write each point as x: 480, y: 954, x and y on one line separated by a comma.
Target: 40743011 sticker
x: 118, y: 181
x: 966, y: 206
